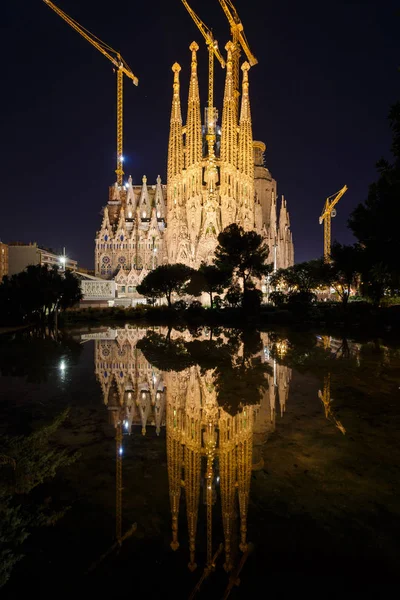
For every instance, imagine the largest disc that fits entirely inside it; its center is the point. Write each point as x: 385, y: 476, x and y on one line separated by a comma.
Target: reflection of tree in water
x: 32, y: 354
x: 216, y: 393
x: 345, y: 368
x: 238, y: 373
x: 25, y: 463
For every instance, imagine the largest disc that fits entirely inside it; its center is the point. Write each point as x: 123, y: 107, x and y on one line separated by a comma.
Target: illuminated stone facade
x: 215, y: 176
x: 3, y: 260
x: 131, y: 238
x: 211, y: 184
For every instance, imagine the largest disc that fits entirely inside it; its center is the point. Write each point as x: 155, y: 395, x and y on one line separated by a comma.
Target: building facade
x: 3, y: 260
x: 216, y: 175
x: 21, y: 255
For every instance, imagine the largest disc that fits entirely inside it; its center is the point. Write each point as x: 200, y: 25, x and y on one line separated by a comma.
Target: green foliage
x: 278, y: 298
x: 342, y: 272
x: 209, y: 279
x: 233, y: 296
x: 301, y: 277
x: 251, y: 302
x: 375, y: 223
x: 33, y: 460
x: 35, y: 294
x: 164, y: 281
x: 242, y: 254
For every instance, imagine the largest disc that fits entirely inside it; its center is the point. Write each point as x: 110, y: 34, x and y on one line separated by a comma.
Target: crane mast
x: 326, y: 216
x: 213, y: 50
x: 121, y: 67
x: 239, y: 41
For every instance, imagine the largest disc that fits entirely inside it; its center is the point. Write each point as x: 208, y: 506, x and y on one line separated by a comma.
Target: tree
x: 242, y: 254
x: 301, y: 278
x: 375, y: 223
x: 71, y: 292
x: 164, y: 281
x: 342, y: 271
x: 209, y: 279
x: 37, y: 293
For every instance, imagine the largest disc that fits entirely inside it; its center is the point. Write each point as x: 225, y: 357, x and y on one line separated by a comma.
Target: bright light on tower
x: 121, y: 158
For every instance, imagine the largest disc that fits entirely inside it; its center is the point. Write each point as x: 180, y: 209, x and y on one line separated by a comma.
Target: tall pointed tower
x: 216, y: 176
x: 245, y: 157
x: 193, y: 155
x: 229, y: 140
x: 177, y: 232
x: 211, y: 186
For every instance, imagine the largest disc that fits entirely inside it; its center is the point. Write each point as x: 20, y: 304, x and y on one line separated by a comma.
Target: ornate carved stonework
x: 216, y: 176
x: 98, y: 290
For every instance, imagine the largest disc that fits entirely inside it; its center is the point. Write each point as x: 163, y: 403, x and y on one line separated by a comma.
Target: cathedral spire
x: 193, y: 122
x: 159, y: 202
x: 246, y: 155
x: 144, y: 202
x: 175, y: 145
x: 229, y: 123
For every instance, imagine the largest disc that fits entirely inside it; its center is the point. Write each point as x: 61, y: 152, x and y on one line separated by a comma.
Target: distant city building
x: 21, y: 255
x: 3, y: 260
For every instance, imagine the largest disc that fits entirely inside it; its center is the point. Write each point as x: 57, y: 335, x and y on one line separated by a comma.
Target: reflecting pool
x: 207, y: 463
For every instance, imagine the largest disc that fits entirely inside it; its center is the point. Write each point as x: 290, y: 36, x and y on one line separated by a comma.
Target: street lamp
x: 63, y: 260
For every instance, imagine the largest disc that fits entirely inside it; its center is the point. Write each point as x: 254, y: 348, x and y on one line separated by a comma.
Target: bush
x: 180, y: 305
x: 251, y: 302
x: 278, y: 298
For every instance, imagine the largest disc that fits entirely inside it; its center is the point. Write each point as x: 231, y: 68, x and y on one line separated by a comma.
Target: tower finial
x: 175, y: 146
x: 193, y: 125
x: 194, y: 48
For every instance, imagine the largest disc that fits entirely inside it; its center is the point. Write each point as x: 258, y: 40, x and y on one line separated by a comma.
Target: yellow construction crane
x: 213, y: 50
x: 329, y: 212
x: 238, y: 39
x: 122, y: 68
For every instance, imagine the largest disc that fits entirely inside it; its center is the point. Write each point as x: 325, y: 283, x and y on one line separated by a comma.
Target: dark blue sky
x: 327, y: 75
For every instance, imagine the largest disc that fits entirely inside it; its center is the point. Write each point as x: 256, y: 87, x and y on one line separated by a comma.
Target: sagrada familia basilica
x: 216, y: 176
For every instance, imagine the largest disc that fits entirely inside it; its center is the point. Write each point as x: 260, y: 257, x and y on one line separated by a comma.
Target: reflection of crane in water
x: 325, y: 397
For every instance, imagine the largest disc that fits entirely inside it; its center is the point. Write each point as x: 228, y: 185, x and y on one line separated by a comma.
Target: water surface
x: 188, y: 457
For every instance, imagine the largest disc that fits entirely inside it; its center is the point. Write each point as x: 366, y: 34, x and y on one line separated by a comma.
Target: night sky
x: 320, y: 95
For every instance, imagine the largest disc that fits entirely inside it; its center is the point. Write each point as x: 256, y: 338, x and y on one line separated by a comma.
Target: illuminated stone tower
x: 211, y: 185
x: 215, y: 176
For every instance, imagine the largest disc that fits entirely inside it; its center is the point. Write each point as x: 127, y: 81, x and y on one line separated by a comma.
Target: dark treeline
x: 37, y: 294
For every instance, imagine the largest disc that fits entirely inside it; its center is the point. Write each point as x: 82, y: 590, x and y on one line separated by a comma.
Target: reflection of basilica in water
x: 210, y: 452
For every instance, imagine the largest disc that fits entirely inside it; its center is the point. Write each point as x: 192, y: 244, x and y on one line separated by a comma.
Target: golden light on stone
x: 202, y: 439
x: 209, y: 186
